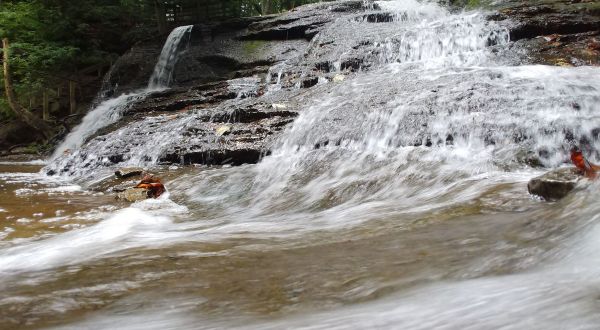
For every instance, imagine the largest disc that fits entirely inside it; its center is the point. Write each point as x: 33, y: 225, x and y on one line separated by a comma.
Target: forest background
x: 54, y: 42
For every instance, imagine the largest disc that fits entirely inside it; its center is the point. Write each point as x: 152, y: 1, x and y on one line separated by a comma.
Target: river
x: 396, y: 200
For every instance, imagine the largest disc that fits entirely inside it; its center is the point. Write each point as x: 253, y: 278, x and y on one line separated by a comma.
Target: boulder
x: 134, y: 195
x: 125, y: 173
x: 556, y: 184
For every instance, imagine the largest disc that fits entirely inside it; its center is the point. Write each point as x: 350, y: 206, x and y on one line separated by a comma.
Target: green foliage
x: 278, y: 6
x: 52, y: 39
x: 37, y: 149
x: 5, y: 112
x: 252, y: 46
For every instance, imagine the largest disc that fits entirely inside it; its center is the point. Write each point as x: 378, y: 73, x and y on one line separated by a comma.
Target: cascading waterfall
x: 111, y: 110
x: 405, y: 180
x: 163, y: 71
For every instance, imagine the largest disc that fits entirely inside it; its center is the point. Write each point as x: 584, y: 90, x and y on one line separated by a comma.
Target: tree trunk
x: 72, y: 99
x: 21, y: 113
x: 161, y: 18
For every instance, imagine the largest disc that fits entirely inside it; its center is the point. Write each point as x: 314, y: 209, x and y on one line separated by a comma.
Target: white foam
x: 111, y: 110
x: 31, y: 162
x: 161, y: 206
x: 561, y: 295
x: 106, y: 113
x: 127, y: 228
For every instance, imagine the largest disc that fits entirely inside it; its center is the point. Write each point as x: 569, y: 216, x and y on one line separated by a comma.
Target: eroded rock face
x: 220, y: 51
x: 556, y: 184
x: 554, y: 32
x: 221, y: 80
x: 15, y: 133
x: 238, y: 74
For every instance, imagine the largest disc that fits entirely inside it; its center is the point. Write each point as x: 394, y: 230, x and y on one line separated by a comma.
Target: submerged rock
x: 555, y: 184
x: 134, y: 195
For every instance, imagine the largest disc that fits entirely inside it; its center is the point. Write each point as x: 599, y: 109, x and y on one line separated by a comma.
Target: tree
x: 34, y: 54
x: 52, y: 39
x: 17, y: 109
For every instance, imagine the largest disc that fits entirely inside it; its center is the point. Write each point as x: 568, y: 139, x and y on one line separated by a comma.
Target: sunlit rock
x: 223, y: 130
x: 555, y: 184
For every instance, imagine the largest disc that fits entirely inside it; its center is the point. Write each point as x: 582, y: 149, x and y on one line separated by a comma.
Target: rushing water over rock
x: 111, y: 110
x: 163, y: 71
x: 396, y: 198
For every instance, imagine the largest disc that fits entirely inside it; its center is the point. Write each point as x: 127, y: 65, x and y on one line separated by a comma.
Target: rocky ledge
x: 241, y: 82
x: 553, y: 32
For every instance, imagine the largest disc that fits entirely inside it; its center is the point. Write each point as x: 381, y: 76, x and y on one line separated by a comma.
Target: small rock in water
x: 223, y: 130
x: 122, y: 187
x: 134, y: 194
x: 556, y: 184
x: 339, y: 78
x: 125, y: 173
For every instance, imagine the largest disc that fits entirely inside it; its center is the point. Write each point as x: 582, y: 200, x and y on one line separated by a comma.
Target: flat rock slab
x: 125, y: 173
x: 134, y: 195
x: 556, y: 184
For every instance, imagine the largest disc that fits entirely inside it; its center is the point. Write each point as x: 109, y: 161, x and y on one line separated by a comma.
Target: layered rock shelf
x: 238, y: 72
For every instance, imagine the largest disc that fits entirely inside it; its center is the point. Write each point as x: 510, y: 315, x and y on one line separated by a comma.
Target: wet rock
x: 556, y: 32
x: 129, y: 172
x: 554, y: 185
x: 352, y: 64
x: 122, y: 187
x: 219, y: 51
x: 301, y: 24
x: 377, y: 18
x: 15, y: 134
x: 134, y: 195
x: 310, y: 82
x: 324, y: 66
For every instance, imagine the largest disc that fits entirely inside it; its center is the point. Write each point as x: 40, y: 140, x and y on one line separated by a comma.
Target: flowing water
x: 397, y: 199
x: 111, y: 110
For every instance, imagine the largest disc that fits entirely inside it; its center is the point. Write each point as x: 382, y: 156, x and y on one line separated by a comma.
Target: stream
x: 397, y: 199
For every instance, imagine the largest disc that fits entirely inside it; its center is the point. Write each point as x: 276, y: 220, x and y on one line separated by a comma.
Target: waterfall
x: 110, y: 111
x: 397, y: 198
x: 163, y: 71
